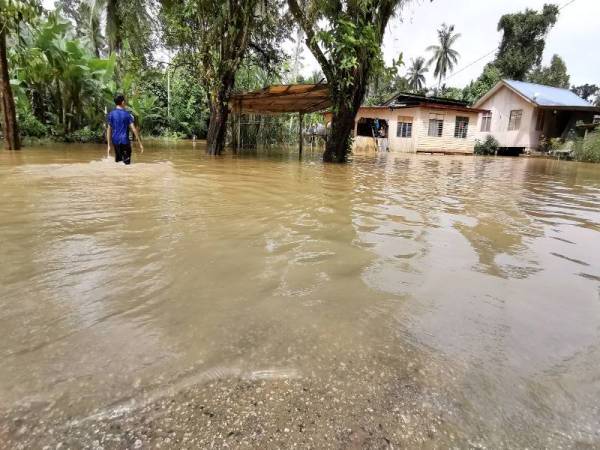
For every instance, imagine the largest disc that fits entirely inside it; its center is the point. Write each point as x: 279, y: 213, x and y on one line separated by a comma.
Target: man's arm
x: 137, y: 136
x: 108, y: 139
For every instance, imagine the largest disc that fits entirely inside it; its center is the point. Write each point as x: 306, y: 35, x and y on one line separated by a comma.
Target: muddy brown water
x: 439, y: 300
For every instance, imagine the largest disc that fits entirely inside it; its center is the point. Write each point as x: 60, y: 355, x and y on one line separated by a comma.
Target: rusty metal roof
x: 284, y: 98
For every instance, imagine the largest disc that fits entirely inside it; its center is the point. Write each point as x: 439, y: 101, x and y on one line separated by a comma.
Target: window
x: 486, y: 121
x: 539, y: 120
x: 514, y: 121
x: 461, y: 127
x: 436, y: 125
x: 404, y: 127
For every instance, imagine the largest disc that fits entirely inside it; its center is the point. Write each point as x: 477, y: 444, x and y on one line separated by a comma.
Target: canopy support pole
x: 300, y: 129
x: 238, y: 131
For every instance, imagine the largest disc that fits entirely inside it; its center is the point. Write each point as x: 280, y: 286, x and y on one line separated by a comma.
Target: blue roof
x: 547, y: 95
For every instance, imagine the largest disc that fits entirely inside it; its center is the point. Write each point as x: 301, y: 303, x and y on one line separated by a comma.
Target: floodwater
x: 259, y: 301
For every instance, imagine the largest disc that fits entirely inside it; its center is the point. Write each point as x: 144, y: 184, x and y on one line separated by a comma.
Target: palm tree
x: 123, y: 21
x: 444, y: 56
x: 416, y: 74
x: 90, y: 13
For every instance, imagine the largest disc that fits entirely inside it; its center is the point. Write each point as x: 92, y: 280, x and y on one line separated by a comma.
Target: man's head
x: 120, y: 100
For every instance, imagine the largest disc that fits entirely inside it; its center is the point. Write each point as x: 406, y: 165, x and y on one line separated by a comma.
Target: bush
x: 30, y: 126
x: 488, y: 147
x: 170, y: 134
x: 588, y: 149
x: 86, y: 135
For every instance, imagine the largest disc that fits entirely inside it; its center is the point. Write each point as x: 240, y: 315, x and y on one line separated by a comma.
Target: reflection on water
x: 183, y: 268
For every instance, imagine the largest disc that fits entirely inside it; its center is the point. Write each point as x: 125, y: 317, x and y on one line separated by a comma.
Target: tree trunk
x: 9, y: 115
x: 345, y: 106
x: 217, y: 128
x: 219, y: 111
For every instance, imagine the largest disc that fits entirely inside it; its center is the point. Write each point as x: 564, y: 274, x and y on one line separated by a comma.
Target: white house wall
x: 420, y: 141
x: 501, y: 104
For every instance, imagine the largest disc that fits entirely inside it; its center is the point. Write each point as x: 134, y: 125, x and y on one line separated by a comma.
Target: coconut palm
x: 90, y: 13
x: 416, y: 74
x: 444, y: 56
x: 123, y: 22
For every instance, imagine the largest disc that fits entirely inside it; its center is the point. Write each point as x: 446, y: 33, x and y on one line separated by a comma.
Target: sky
x: 574, y: 37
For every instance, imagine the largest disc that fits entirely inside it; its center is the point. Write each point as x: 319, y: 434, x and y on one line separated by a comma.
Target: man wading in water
x: 119, y: 122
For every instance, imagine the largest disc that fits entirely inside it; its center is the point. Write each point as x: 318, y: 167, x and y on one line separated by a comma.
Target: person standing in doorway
x: 120, y: 121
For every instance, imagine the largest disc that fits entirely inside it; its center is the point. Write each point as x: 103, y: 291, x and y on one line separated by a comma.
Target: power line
x: 490, y: 52
x: 469, y: 65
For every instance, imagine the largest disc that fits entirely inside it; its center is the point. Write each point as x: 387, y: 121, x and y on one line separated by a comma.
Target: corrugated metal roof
x: 283, y: 98
x: 548, y: 95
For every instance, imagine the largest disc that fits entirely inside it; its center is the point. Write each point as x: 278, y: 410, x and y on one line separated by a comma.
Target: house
x: 416, y: 123
x: 522, y: 115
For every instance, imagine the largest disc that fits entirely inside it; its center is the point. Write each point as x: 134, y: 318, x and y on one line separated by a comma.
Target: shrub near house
x: 588, y: 150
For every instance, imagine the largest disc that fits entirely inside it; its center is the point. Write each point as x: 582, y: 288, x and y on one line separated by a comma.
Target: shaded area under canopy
x: 281, y: 99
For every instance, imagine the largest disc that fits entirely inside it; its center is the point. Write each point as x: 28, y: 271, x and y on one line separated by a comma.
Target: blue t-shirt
x: 119, y: 120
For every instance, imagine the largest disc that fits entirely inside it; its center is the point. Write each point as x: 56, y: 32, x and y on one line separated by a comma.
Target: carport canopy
x: 283, y: 98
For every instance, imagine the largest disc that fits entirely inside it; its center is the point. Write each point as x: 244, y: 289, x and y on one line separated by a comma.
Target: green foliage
x: 127, y: 26
x: 189, y: 110
x: 444, y: 56
x: 450, y: 92
x: 486, y: 81
x: 15, y: 12
x: 588, y: 149
x: 386, y: 83
x: 213, y: 37
x: 86, y: 135
x: 416, y: 74
x: 30, y: 126
x: 63, y: 90
x: 489, y: 146
x: 553, y: 75
x: 586, y: 91
x: 344, y: 43
x: 523, y: 40
x: 68, y: 87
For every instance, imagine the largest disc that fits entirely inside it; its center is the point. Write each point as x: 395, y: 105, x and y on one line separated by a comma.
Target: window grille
x: 404, y: 128
x: 486, y: 121
x: 436, y: 125
x: 461, y: 127
x: 514, y: 121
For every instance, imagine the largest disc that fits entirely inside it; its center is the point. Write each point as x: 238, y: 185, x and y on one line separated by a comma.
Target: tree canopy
x: 520, y: 50
x: 345, y: 38
x: 587, y: 91
x: 523, y: 40
x: 553, y: 75
x: 213, y: 38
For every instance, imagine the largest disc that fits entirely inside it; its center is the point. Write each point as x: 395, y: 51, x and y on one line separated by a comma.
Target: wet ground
x: 256, y: 301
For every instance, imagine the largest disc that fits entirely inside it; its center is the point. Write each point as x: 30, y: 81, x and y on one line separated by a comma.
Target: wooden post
x: 238, y: 133
x: 300, y: 137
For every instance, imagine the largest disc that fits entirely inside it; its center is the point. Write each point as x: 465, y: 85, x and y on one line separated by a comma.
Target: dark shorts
x: 123, y: 153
